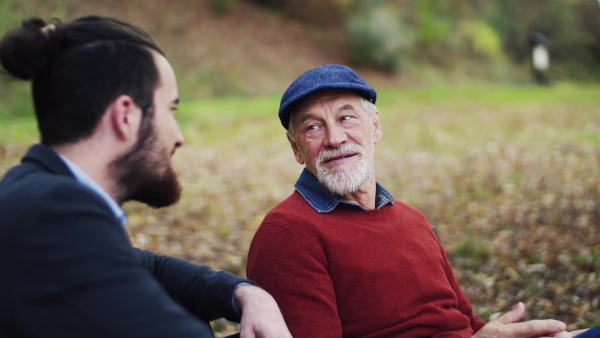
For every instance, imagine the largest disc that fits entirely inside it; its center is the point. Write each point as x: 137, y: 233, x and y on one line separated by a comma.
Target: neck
x: 365, y: 196
x: 94, y: 160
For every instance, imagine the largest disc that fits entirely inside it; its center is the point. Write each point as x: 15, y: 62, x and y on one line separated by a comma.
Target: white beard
x: 347, y: 178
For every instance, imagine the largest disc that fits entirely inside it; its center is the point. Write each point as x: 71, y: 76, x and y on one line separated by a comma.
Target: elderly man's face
x: 335, y: 138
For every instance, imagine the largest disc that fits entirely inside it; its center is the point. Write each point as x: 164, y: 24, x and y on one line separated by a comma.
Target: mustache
x: 345, y: 149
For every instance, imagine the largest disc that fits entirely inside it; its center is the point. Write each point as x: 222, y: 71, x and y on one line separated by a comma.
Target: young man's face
x: 335, y: 139
x: 166, y: 99
x: 146, y: 173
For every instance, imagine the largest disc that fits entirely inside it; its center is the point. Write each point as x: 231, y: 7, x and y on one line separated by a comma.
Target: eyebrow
x: 307, y: 115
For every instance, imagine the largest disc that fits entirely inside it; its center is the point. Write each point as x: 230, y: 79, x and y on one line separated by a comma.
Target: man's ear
x: 376, y: 127
x: 297, y: 153
x: 125, y: 118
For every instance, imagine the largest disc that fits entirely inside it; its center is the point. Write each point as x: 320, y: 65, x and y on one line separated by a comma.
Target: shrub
x: 377, y: 37
x: 478, y: 39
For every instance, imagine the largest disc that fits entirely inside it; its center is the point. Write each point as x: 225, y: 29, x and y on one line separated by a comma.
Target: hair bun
x: 26, y: 51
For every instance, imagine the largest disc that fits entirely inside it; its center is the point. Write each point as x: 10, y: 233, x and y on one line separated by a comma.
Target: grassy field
x: 509, y: 176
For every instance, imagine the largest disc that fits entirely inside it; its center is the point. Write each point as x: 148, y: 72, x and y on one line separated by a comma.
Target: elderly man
x: 340, y: 255
x: 104, y: 98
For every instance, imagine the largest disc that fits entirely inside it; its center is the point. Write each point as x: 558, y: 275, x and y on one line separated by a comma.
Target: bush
x: 377, y: 37
x: 478, y: 39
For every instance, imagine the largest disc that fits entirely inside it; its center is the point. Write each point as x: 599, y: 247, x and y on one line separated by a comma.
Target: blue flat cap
x: 322, y: 78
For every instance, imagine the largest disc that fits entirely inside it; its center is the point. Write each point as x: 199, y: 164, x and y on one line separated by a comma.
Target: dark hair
x: 77, y: 69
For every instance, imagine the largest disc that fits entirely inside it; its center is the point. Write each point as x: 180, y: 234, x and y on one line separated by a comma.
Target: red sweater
x: 354, y: 273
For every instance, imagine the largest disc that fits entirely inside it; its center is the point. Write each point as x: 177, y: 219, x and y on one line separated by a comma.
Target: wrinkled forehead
x: 343, y: 96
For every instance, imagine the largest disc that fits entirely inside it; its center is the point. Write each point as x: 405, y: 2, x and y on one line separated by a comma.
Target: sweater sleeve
x: 204, y: 292
x: 295, y: 273
x: 463, y: 303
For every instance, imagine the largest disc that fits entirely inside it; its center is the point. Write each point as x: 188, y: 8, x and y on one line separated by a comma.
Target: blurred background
x: 250, y: 47
x: 490, y: 112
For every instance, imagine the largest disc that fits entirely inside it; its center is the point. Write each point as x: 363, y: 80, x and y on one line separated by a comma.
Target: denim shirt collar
x: 323, y: 201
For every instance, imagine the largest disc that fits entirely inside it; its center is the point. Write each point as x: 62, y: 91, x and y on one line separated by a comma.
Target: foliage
x: 451, y: 33
x: 432, y: 27
x: 478, y: 39
x: 572, y: 27
x: 377, y: 37
x: 535, y: 17
x: 589, y: 19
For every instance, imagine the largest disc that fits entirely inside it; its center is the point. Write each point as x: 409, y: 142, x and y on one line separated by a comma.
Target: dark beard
x: 145, y: 173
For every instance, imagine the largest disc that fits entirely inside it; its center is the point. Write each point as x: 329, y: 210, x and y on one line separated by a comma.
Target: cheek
x: 311, y: 157
x: 309, y: 149
x: 365, y: 137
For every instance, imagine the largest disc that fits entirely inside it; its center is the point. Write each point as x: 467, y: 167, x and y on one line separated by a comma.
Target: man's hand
x: 261, y: 317
x: 569, y: 334
x: 508, y: 326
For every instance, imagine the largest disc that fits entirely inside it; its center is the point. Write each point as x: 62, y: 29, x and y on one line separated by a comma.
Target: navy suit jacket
x: 67, y: 268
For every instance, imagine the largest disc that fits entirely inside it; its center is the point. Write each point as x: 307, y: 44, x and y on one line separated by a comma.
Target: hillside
x: 246, y: 50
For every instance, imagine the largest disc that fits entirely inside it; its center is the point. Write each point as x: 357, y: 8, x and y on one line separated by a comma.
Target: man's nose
x: 179, y: 141
x: 335, y: 136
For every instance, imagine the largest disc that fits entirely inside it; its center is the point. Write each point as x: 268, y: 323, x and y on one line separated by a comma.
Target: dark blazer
x: 67, y: 268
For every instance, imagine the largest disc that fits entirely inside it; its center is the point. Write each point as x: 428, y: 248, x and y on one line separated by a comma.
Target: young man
x: 340, y: 255
x: 104, y: 98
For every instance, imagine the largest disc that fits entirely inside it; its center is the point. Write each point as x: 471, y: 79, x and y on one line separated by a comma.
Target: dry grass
x: 510, y: 177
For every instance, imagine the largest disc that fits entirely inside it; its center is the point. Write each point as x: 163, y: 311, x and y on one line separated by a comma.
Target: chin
x: 155, y: 190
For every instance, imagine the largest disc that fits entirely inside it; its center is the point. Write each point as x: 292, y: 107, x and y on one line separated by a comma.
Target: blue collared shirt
x: 89, y: 182
x: 323, y: 201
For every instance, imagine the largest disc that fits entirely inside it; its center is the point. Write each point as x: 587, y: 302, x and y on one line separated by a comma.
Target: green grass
x: 419, y: 116
x: 457, y: 119
x: 222, y: 119
x: 18, y: 131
